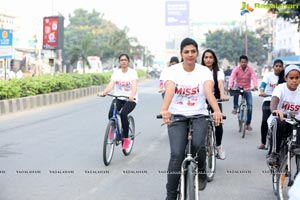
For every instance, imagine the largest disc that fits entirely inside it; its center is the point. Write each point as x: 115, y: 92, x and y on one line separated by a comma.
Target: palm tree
x: 81, y: 52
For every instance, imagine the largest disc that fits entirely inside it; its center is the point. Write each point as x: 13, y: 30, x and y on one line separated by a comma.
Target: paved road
x: 55, y: 153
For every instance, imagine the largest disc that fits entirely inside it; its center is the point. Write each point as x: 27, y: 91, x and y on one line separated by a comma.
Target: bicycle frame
x: 189, y: 160
x: 211, y: 144
x: 242, y: 109
x: 287, y: 152
x: 291, y: 143
x: 114, y: 134
x: 117, y: 120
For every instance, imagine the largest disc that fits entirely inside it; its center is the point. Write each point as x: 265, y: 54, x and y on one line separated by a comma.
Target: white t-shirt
x: 271, y: 81
x: 162, y: 77
x: 123, y: 82
x: 289, y: 101
x: 220, y: 75
x: 19, y: 74
x: 189, y: 98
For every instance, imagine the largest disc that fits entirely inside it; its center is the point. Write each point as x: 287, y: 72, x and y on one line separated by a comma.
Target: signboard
x: 52, y: 29
x: 5, y: 44
x: 177, y: 13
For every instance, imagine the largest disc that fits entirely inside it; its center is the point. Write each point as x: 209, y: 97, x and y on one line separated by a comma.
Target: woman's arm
x: 108, y: 88
x: 134, y: 90
x: 170, y: 89
x: 262, y: 88
x: 222, y: 90
x: 208, y: 91
x: 273, y: 106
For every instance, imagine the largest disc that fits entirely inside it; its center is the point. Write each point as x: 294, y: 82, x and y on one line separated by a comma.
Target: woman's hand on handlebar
x: 101, y: 94
x: 218, y: 117
x: 224, y: 97
x: 166, y: 116
x: 131, y: 98
x: 279, y: 114
x: 262, y: 94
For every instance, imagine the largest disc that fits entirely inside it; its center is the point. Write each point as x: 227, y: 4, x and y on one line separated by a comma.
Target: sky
x: 145, y: 19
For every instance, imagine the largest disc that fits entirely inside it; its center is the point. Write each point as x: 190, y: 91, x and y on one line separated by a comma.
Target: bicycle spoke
x: 109, y: 143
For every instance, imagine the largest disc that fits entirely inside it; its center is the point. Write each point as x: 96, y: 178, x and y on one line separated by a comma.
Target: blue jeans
x: 248, y: 97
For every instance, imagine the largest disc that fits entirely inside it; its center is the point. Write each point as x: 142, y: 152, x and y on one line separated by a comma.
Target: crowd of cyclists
x: 187, y: 87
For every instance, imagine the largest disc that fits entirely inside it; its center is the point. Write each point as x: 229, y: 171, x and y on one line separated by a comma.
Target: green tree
x: 81, y: 52
x: 88, y: 34
x: 288, y: 14
x: 230, y: 45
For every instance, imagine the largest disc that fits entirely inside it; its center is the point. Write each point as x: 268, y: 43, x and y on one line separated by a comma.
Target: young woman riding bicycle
x: 285, y: 99
x: 209, y: 59
x: 188, y: 85
x: 269, y: 82
x: 124, y: 82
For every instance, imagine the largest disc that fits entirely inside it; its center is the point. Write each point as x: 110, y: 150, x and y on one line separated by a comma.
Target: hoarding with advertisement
x: 177, y: 13
x: 53, y: 32
x: 6, y: 44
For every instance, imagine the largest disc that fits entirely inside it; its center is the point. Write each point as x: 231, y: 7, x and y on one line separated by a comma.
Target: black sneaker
x: 273, y: 159
x: 202, y: 180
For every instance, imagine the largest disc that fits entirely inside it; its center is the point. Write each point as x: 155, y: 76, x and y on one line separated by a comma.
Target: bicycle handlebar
x: 288, y: 116
x: 266, y: 95
x: 115, y: 96
x: 222, y: 100
x: 190, y: 117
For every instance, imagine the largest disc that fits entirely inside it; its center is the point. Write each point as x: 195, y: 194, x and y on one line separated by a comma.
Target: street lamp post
x: 271, y: 15
x: 246, y: 36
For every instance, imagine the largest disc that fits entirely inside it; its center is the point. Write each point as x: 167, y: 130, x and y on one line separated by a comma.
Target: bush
x: 44, y: 84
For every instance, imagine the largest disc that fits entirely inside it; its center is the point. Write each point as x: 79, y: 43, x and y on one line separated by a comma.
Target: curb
x: 9, y: 106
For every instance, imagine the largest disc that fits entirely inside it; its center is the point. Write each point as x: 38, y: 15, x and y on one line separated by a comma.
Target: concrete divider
x: 9, y: 106
x: 26, y: 103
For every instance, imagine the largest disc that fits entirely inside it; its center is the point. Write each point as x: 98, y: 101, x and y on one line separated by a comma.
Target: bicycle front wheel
x: 190, y: 183
x: 284, y: 178
x: 131, y: 135
x: 210, y: 154
x: 242, y: 120
x: 275, y: 177
x: 109, y: 142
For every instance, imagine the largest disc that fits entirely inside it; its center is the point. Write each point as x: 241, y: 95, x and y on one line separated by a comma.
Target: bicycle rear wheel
x: 131, y: 135
x: 190, y: 183
x: 210, y: 154
x: 109, y: 142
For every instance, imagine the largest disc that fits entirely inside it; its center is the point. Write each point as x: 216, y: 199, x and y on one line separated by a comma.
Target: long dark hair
x: 215, y: 69
x: 215, y: 65
x: 281, y: 78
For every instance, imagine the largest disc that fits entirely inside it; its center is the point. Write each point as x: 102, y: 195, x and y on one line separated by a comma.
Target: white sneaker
x: 221, y: 152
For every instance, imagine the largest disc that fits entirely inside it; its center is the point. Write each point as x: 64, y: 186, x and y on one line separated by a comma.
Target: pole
x: 5, y: 68
x: 246, y: 36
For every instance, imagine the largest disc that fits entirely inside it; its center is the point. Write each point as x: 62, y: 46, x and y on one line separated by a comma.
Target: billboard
x: 5, y: 43
x: 177, y: 13
x: 53, y: 32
